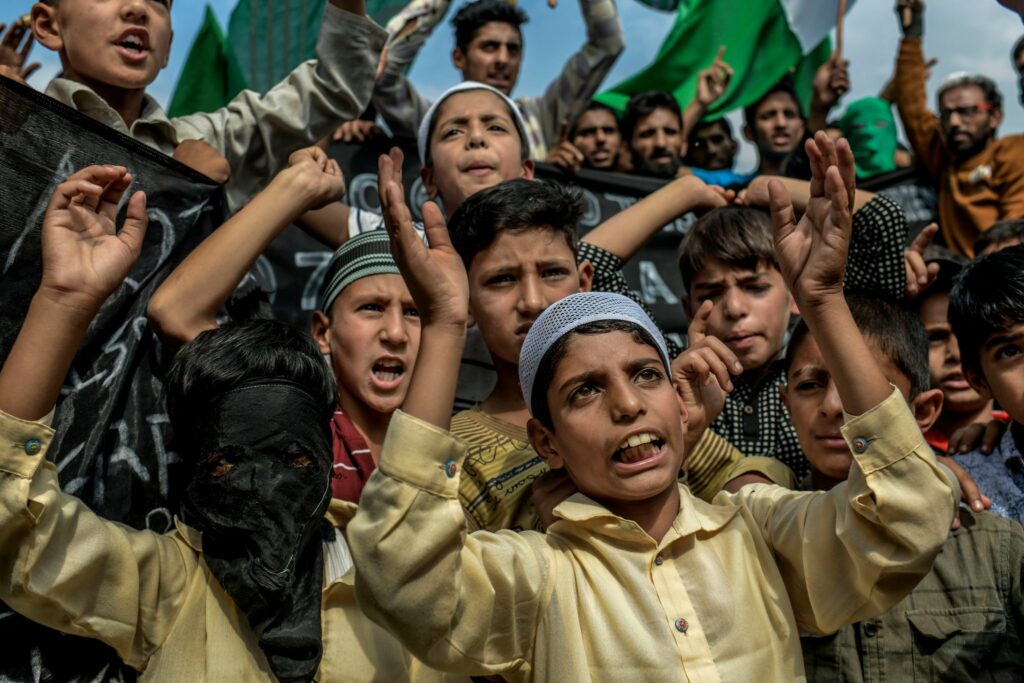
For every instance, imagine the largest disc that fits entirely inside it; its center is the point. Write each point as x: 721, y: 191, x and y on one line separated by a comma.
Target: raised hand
x: 702, y: 374
x: 911, y: 15
x: 316, y: 178
x: 435, y: 275
x: 85, y: 258
x: 920, y: 275
x: 565, y: 155
x: 812, y: 253
x: 358, y: 130
x: 713, y: 81
x: 832, y: 81
x: 15, y: 47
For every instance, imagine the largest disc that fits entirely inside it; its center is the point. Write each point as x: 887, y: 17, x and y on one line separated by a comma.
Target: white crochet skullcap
x: 423, y: 138
x: 575, y: 310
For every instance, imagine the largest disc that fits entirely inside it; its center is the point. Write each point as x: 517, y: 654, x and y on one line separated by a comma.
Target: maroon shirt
x: 353, y: 463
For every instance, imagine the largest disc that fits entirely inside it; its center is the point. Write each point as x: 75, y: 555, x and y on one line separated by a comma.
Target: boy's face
x: 751, y: 308
x: 115, y: 43
x: 657, y: 143
x: 372, y: 336
x: 609, y: 390
x: 944, y: 368
x: 1002, y: 367
x: 474, y: 146
x: 816, y: 410
x: 515, y: 279
x: 713, y: 148
x: 597, y: 136
x: 493, y: 56
x: 778, y: 127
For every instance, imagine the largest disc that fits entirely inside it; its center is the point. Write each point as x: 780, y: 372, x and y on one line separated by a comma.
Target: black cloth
x: 261, y: 488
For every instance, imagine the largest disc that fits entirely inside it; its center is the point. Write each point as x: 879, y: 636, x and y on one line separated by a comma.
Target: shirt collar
x: 694, y: 515
x: 84, y: 99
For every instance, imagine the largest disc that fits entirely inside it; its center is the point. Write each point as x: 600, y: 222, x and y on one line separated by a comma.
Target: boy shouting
x: 637, y: 578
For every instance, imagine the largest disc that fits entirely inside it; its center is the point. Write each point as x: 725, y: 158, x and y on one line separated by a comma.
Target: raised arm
x: 712, y: 83
x: 60, y: 564
x: 394, y: 96
x: 854, y: 551
x: 920, y: 124
x: 187, y: 302
x: 465, y: 603
x: 627, y: 231
x: 583, y: 73
x: 257, y: 133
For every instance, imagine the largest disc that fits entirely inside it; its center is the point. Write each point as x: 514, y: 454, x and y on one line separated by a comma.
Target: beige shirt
x: 257, y: 133
x: 723, y: 596
x: 152, y: 597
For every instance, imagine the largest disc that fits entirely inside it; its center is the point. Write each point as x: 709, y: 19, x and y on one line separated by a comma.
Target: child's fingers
x: 563, y: 135
x: 333, y: 168
x: 924, y: 238
x: 836, y: 192
x: 397, y: 159
x: 111, y: 197
x: 827, y: 148
x: 27, y: 47
x: 435, y: 227
x: 698, y: 328
x: 847, y: 168
x: 384, y: 164
x: 818, y: 167
x: 723, y: 352
x: 781, y: 207
x: 133, y: 232
x: 73, y: 192
x: 917, y: 270
x: 717, y: 370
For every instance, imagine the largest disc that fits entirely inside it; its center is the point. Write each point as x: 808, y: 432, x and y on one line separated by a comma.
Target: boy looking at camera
x: 635, y: 567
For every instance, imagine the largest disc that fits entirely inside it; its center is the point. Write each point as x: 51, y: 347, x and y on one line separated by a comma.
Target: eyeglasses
x: 964, y: 112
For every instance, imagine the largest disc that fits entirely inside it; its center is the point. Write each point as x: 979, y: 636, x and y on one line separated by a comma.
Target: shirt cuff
x: 23, y: 445
x: 337, y: 20
x: 884, y: 435
x: 422, y: 455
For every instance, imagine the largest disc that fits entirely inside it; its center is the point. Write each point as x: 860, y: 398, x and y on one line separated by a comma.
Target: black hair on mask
x: 472, y: 16
x: 515, y: 205
x: 897, y: 331
x: 644, y: 104
x: 239, y: 352
x: 785, y: 85
x: 987, y: 297
x: 557, y: 351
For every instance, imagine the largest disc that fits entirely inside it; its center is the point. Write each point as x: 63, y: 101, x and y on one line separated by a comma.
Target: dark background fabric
x: 113, y: 447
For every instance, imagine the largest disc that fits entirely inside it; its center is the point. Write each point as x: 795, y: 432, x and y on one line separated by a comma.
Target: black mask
x: 261, y: 487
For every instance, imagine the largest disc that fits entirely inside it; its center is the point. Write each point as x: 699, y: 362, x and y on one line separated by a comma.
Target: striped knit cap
x: 366, y: 254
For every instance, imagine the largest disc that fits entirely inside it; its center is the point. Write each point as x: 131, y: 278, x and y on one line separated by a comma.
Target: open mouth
x: 639, y: 448
x: 388, y: 371
x: 133, y: 44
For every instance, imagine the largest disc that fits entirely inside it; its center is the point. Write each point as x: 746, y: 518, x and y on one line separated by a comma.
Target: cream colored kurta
x: 152, y: 597
x: 722, y: 597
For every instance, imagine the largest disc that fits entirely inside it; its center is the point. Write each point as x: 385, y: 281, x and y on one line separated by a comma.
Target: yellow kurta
x: 152, y: 597
x: 722, y: 597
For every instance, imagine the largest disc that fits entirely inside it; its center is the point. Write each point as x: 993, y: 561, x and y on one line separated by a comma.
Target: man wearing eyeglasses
x: 980, y: 179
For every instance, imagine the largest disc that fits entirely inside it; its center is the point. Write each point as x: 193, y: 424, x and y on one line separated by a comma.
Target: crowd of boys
x: 826, y: 482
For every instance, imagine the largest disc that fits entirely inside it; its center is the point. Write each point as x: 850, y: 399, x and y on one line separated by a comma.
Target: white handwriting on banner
x: 653, y: 289
x: 318, y: 261
x: 362, y: 193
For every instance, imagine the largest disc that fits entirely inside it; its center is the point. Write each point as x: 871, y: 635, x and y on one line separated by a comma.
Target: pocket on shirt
x: 954, y: 644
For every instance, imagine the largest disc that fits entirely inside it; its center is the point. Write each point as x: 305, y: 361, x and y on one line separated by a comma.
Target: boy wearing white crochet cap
x: 637, y: 578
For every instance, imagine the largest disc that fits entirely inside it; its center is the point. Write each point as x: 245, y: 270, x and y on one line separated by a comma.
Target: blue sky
x: 953, y: 34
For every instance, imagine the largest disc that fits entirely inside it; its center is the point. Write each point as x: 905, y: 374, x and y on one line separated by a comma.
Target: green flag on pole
x: 764, y: 40
x: 211, y: 75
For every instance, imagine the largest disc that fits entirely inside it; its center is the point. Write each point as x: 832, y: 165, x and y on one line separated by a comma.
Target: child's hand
x: 14, y: 50
x: 435, y: 276
x: 315, y: 178
x: 702, y: 375
x: 548, y: 492
x: 700, y: 197
x: 812, y: 253
x: 920, y: 275
x: 85, y: 258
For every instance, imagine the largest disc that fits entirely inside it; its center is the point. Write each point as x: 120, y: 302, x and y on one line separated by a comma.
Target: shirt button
x: 871, y: 629
x: 682, y: 625
x: 860, y: 445
x: 32, y: 447
x: 748, y: 409
x: 659, y: 560
x: 450, y: 468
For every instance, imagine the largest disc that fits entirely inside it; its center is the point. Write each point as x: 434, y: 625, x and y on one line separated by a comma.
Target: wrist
x: 74, y: 307
x: 287, y: 193
x: 814, y: 303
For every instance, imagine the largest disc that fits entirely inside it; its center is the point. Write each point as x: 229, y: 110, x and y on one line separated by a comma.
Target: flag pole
x: 839, y: 29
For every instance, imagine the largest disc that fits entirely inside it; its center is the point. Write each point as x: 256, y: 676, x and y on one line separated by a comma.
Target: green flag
x: 272, y: 37
x: 211, y: 75
x: 762, y: 44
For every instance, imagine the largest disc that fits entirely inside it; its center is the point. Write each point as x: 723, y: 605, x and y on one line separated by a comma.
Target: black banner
x: 113, y: 446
